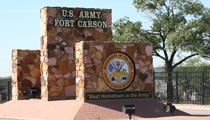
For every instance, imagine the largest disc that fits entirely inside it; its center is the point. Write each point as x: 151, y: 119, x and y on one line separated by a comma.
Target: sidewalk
x: 195, y: 110
x: 40, y: 110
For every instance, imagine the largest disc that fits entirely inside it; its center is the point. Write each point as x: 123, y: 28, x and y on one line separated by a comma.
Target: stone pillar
x: 25, y: 72
x: 14, y: 75
x: 61, y: 28
x: 91, y: 57
x: 80, y: 76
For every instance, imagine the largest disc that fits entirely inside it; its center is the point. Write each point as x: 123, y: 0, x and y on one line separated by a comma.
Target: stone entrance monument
x: 78, y: 59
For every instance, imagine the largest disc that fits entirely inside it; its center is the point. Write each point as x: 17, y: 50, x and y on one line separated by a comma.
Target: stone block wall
x: 25, y: 72
x: 90, y: 57
x: 58, y: 37
x: 75, y: 43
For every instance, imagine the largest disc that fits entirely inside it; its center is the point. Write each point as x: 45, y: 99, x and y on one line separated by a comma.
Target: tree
x: 206, y: 24
x: 207, y: 53
x: 177, y: 26
x: 126, y: 30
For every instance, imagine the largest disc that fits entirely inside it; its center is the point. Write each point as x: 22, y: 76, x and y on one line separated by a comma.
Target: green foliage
x: 177, y: 26
x: 195, y: 62
x: 126, y: 30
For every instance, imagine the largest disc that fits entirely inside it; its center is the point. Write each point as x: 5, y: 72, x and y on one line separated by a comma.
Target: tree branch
x: 151, y: 32
x: 181, y: 61
x: 173, y: 54
x: 172, y: 10
x: 167, y: 9
x: 164, y: 47
x: 158, y: 55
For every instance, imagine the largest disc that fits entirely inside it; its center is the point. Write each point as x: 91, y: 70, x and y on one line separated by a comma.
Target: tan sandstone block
x: 35, y: 72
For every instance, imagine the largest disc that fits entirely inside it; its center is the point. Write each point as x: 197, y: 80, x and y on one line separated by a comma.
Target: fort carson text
x: 84, y: 14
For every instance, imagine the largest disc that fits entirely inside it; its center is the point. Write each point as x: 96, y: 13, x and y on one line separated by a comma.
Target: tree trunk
x: 169, y: 71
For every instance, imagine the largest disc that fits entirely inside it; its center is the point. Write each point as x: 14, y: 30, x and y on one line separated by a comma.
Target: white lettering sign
x: 84, y: 15
x: 89, y: 14
x: 64, y: 23
x: 67, y: 13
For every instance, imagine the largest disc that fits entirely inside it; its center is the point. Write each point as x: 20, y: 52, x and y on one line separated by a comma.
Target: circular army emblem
x: 118, y: 71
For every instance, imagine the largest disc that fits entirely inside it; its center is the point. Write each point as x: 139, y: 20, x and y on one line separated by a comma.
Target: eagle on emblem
x: 118, y: 71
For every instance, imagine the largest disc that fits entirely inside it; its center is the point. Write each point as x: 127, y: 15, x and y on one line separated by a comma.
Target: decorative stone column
x: 25, y: 72
x: 61, y: 28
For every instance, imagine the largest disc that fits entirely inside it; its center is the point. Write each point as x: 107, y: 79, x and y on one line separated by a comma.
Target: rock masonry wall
x: 25, y: 72
x: 58, y: 71
x: 70, y: 59
x: 90, y: 57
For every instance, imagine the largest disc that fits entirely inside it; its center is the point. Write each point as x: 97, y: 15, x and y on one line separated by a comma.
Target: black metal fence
x: 5, y: 90
x: 190, y: 85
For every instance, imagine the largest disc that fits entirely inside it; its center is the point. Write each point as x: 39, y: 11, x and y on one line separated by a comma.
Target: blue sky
x: 20, y: 22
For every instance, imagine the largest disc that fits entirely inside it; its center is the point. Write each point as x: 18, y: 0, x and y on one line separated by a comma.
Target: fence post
x: 8, y: 87
x: 154, y: 85
x: 203, y: 87
x: 177, y: 87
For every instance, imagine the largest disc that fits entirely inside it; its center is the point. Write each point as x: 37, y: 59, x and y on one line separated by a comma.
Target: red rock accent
x: 63, y: 66
x: 26, y: 69
x: 29, y: 59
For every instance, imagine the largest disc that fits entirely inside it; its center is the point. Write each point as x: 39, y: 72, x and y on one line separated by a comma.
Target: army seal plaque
x: 118, y: 71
